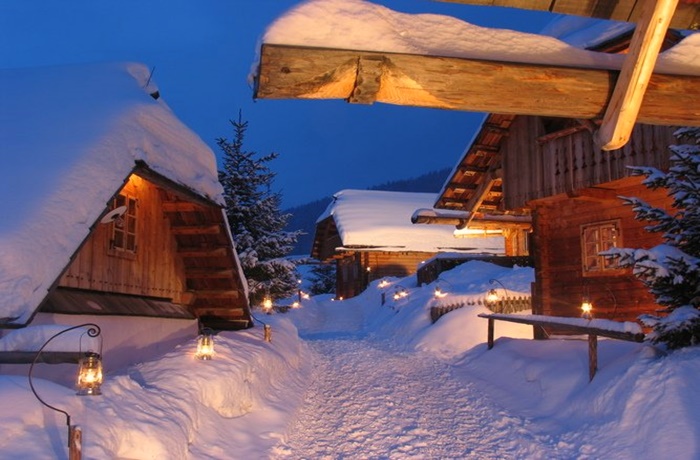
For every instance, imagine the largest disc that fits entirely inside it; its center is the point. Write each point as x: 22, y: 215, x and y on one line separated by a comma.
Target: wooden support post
x: 490, y: 333
x: 75, y: 443
x: 623, y: 108
x: 592, y: 355
x: 267, y: 333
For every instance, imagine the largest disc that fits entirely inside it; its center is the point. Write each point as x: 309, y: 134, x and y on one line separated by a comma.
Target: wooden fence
x: 505, y: 305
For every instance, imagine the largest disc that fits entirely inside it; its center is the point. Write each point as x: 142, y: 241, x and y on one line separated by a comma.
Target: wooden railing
x: 505, y: 305
x: 634, y: 334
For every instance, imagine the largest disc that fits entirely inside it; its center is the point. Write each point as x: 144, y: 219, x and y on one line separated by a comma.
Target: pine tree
x: 256, y: 222
x: 672, y: 270
x: 322, y: 279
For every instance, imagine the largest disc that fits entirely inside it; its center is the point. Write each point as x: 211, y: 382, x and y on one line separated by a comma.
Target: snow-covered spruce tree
x: 322, y: 279
x: 256, y: 222
x: 672, y: 270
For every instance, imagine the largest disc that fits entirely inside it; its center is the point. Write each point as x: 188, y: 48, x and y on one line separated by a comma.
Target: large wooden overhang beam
x: 293, y: 72
x: 687, y: 15
x: 628, y: 95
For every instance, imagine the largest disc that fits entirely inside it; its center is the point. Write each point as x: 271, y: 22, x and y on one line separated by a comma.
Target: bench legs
x: 490, y: 333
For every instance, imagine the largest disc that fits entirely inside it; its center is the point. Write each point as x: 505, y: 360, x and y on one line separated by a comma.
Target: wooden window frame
x: 123, y: 240
x: 609, y: 235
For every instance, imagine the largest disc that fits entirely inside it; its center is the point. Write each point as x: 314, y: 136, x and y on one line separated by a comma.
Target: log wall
x: 153, y: 270
x: 352, y: 276
x: 539, y: 165
x: 561, y: 283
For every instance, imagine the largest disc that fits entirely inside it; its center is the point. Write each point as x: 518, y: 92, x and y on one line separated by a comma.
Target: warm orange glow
x: 586, y: 308
x: 205, y: 347
x: 267, y: 303
x: 492, y: 296
x: 90, y: 374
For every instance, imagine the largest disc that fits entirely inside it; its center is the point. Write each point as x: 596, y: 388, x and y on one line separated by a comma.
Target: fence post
x: 75, y: 442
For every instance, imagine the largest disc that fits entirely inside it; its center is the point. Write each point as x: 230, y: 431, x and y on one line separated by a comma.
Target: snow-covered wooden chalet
x: 552, y: 167
x: 369, y: 235
x: 113, y: 214
x: 563, y: 120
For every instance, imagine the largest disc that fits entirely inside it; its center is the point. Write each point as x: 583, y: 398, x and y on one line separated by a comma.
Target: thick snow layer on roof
x: 69, y: 138
x: 361, y: 25
x: 382, y: 220
x: 583, y: 32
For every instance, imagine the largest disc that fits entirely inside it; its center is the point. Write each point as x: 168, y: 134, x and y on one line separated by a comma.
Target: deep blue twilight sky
x: 203, y: 52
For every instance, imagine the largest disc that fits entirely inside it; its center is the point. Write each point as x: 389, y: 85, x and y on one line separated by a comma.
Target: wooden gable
x: 183, y: 255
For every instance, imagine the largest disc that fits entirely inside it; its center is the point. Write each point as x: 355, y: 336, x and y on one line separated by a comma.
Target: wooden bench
x: 592, y: 328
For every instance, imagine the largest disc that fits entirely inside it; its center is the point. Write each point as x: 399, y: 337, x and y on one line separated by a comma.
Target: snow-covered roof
x: 69, y: 137
x: 361, y: 25
x: 382, y: 220
x: 583, y: 32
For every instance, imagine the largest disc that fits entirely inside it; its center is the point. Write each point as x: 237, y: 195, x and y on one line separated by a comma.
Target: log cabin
x: 369, y: 236
x: 114, y: 215
x: 553, y: 168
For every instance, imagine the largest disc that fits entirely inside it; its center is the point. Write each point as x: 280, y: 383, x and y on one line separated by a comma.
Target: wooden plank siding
x: 561, y: 283
x: 571, y: 164
x: 154, y: 270
x: 352, y: 276
x: 183, y: 254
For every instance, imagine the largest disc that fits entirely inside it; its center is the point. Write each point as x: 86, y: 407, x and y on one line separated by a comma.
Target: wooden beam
x: 216, y: 293
x: 369, y: 76
x: 196, y: 229
x: 593, y: 194
x: 553, y: 322
x: 289, y: 72
x: 621, y: 113
x: 209, y: 273
x: 202, y: 252
x: 181, y: 206
x: 479, y: 195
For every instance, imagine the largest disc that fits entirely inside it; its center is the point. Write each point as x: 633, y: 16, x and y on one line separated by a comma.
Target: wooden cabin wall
x: 352, y: 276
x: 397, y: 264
x: 154, y: 270
x: 561, y: 283
x: 349, y: 278
x: 538, y: 166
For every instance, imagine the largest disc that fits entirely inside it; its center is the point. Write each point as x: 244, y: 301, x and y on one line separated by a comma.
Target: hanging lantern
x: 586, y: 308
x: 267, y: 303
x: 492, y: 296
x: 89, y: 374
x: 205, y: 346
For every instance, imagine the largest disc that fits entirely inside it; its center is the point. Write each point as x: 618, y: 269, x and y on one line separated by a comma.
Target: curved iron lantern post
x: 492, y: 296
x: 73, y: 431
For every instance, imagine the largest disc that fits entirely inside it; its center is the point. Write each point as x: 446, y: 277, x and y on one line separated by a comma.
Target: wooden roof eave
x: 686, y: 16
x: 472, y: 220
x: 297, y: 72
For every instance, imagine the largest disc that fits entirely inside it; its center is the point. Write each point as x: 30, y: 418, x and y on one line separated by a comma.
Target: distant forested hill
x: 304, y: 216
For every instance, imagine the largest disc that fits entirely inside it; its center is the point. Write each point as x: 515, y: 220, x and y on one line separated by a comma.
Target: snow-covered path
x: 366, y: 400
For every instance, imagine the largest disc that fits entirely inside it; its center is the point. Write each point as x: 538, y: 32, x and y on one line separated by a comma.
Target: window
x: 596, y: 238
x: 124, y: 226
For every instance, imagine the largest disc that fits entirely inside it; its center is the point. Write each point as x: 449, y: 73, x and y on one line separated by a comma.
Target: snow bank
x: 175, y: 408
x: 641, y: 403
